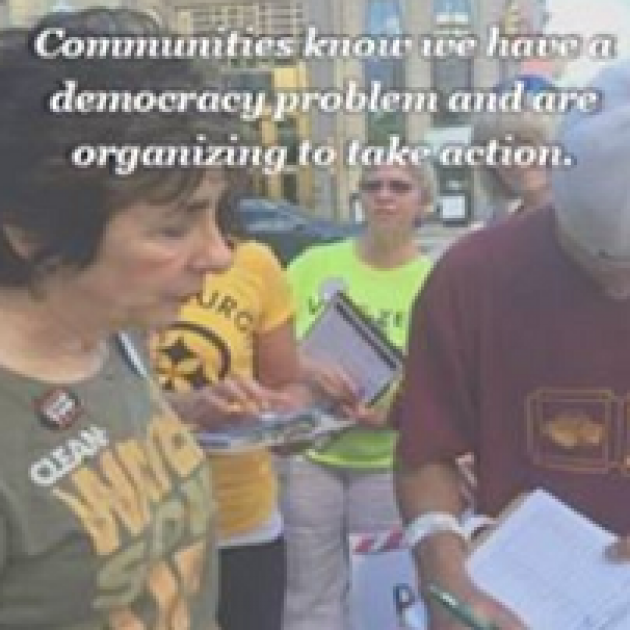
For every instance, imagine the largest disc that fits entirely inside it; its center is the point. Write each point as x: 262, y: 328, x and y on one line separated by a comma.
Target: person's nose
x: 385, y: 192
x: 212, y: 252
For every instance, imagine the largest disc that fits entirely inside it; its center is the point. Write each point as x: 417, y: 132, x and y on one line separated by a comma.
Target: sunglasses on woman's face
x: 396, y: 186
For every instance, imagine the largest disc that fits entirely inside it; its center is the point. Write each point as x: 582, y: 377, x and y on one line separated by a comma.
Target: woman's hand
x: 336, y: 387
x: 369, y: 417
x: 227, y: 401
x: 330, y: 382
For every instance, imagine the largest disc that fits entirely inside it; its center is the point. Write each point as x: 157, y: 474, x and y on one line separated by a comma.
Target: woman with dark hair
x: 105, y: 502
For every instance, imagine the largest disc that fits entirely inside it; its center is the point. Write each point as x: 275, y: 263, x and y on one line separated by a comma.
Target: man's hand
x: 619, y: 551
x: 441, y: 556
x: 486, y: 609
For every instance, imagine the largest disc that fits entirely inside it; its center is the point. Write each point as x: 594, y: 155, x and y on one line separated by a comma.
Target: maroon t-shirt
x: 518, y: 356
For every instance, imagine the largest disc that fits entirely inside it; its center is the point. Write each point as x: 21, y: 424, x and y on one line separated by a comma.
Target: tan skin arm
x: 440, y: 558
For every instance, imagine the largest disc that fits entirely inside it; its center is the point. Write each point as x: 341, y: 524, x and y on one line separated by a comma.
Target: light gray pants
x: 321, y: 506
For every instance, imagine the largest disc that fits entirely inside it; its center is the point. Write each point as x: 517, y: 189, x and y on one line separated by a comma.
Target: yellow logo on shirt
x: 571, y: 431
x: 145, y: 506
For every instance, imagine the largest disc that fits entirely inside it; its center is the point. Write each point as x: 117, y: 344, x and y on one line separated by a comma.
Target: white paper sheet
x: 546, y: 562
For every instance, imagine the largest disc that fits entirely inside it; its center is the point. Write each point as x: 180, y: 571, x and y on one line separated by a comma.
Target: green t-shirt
x: 105, y: 523
x: 386, y: 295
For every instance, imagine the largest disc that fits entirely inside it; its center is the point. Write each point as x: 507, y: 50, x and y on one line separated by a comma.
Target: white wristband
x: 432, y: 523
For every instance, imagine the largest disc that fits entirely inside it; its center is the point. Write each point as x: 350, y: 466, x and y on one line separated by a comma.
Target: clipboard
x: 345, y: 336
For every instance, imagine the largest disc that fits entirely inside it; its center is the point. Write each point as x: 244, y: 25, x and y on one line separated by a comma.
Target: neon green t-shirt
x: 386, y: 295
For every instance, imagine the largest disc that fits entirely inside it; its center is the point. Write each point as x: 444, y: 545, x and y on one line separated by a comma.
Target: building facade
x: 336, y: 188
x: 272, y: 18
x: 330, y: 190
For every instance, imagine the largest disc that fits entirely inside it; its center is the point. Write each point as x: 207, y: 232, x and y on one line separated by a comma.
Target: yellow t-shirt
x: 215, y: 337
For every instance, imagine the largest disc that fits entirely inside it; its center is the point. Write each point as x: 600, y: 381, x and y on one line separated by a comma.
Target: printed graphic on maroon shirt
x: 574, y: 430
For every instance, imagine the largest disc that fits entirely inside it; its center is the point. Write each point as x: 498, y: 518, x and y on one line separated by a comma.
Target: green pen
x: 461, y: 611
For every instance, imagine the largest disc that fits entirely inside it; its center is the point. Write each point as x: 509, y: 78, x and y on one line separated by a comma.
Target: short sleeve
x: 305, y: 273
x: 277, y: 302
x: 434, y: 410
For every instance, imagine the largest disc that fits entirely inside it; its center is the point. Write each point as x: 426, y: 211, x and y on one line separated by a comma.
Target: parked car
x: 287, y: 228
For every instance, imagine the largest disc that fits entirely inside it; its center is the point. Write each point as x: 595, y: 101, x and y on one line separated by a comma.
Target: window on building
x: 251, y: 81
x: 455, y: 203
x: 453, y: 73
x: 453, y: 13
x: 384, y: 17
x: 447, y: 76
x: 288, y: 137
x: 289, y: 183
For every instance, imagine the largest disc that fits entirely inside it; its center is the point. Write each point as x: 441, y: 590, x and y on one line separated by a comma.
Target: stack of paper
x: 546, y: 562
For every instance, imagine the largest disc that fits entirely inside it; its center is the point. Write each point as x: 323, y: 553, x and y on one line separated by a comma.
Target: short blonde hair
x: 424, y: 174
x: 527, y: 127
